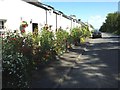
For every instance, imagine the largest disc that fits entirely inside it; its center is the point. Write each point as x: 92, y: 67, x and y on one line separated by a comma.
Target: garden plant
x: 23, y: 53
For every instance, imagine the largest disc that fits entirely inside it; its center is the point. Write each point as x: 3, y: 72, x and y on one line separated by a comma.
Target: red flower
x: 23, y: 31
x: 24, y: 24
x: 12, y: 39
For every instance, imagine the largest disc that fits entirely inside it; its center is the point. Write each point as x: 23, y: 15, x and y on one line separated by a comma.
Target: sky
x: 92, y: 12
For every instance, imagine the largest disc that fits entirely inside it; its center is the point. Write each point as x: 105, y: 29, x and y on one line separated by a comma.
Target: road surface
x: 98, y: 66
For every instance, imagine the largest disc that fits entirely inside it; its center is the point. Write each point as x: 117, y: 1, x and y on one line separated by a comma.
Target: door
x: 35, y: 28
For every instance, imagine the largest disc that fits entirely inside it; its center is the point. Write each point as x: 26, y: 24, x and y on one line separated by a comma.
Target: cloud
x: 96, y: 21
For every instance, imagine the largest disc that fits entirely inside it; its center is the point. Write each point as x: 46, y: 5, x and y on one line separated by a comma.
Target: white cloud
x: 96, y: 21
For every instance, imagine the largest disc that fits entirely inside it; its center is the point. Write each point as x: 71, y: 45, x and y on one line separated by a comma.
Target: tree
x: 112, y: 23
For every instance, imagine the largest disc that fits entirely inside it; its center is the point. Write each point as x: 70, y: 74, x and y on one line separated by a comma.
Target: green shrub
x: 85, y: 32
x: 62, y: 37
x: 76, y: 33
x: 21, y: 55
x: 16, y: 64
x: 46, y: 51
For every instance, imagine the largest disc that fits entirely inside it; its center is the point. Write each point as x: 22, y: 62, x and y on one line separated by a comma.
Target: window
x: 1, y: 25
x: 2, y: 22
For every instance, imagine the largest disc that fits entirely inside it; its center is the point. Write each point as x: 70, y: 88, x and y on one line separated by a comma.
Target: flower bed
x: 22, y: 54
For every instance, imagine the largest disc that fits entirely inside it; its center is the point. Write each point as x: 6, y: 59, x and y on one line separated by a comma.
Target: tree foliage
x: 112, y: 23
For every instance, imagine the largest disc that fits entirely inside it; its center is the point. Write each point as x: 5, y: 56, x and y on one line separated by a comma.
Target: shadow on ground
x: 98, y: 67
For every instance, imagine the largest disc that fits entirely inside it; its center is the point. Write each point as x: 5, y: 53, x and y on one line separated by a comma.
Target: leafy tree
x: 112, y: 23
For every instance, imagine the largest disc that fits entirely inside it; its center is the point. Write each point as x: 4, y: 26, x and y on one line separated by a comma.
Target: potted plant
x: 23, y: 26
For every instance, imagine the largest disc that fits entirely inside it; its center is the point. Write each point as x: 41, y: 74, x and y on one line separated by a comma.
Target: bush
x: 62, y: 37
x: 76, y: 33
x: 46, y: 45
x: 22, y: 54
x: 16, y: 63
x: 85, y: 32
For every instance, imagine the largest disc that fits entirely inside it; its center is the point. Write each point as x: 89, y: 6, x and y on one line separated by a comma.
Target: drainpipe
x: 46, y: 16
x: 71, y: 23
x: 56, y: 22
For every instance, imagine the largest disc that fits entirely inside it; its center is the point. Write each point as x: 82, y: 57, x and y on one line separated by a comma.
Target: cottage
x: 16, y: 11
x: 34, y: 14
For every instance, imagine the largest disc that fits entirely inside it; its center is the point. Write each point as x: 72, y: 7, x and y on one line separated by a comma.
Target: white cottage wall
x: 17, y: 10
x: 59, y: 21
x: 51, y: 20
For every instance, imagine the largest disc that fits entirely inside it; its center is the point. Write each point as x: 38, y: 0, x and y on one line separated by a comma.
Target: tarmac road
x: 97, y: 66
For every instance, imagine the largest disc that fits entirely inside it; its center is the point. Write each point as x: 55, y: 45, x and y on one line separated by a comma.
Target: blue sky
x: 93, y: 12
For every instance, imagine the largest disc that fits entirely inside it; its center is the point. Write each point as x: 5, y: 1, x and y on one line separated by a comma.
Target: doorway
x: 34, y: 27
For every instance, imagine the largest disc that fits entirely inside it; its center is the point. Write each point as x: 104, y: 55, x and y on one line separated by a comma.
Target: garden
x: 22, y: 54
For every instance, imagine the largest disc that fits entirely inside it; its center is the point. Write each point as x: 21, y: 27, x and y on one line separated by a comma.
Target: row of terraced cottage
x: 36, y: 14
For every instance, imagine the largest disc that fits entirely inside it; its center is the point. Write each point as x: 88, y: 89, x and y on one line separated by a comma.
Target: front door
x: 34, y: 27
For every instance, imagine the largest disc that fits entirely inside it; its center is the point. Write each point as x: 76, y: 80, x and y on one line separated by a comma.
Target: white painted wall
x: 14, y: 11
x: 78, y: 25
x: 51, y: 19
x: 64, y: 23
x: 68, y: 24
x: 73, y: 24
x: 90, y: 28
x: 59, y: 21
